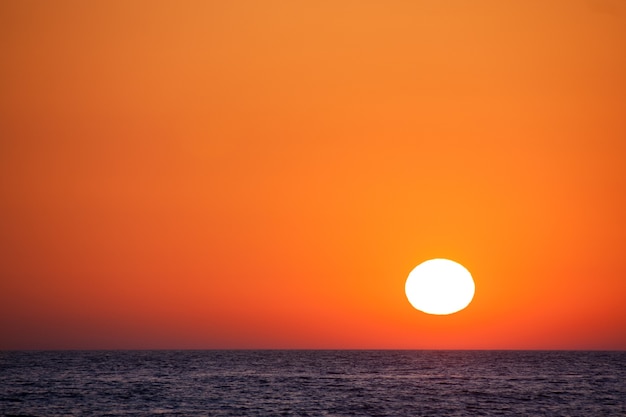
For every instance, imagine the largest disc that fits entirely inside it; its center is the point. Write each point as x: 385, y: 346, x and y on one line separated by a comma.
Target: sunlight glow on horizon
x: 440, y: 286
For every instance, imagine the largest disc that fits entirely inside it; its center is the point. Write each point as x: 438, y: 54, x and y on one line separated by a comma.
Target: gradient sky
x: 265, y: 174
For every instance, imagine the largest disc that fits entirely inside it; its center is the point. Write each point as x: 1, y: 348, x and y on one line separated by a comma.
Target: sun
x: 439, y: 286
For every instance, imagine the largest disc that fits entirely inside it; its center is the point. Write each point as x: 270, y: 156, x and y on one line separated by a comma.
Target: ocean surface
x: 313, y: 383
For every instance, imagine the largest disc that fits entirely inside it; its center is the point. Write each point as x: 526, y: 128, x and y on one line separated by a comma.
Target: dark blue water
x: 313, y: 383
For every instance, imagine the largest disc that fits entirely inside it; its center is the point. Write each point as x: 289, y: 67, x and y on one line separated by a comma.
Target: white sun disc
x: 439, y: 286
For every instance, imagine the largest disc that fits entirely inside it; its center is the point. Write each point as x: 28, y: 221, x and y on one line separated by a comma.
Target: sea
x: 312, y: 383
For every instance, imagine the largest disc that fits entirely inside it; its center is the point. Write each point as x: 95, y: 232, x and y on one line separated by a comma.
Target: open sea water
x: 312, y: 383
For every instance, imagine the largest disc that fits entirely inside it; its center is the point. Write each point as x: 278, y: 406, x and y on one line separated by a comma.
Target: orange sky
x: 265, y: 174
